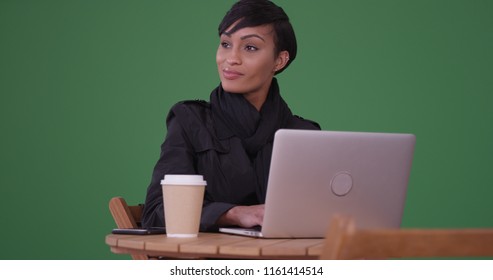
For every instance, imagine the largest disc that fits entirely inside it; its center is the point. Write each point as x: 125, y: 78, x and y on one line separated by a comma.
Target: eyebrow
x: 245, y: 37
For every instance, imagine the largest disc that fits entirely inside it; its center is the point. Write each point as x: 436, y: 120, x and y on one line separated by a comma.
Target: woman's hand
x: 243, y: 216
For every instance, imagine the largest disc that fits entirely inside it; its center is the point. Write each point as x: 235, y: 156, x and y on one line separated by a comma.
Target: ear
x: 281, y: 61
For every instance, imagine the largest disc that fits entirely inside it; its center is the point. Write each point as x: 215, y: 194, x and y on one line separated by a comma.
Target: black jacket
x: 198, y: 144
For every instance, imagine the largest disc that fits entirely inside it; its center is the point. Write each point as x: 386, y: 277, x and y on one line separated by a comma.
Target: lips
x: 231, y: 74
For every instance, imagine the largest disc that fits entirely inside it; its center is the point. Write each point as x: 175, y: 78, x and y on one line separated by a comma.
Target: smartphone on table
x: 140, y: 231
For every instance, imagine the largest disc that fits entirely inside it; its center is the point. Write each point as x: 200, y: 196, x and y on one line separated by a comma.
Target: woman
x: 229, y: 139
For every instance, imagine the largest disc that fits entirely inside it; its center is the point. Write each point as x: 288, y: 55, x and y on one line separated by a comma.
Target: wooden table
x: 215, y: 245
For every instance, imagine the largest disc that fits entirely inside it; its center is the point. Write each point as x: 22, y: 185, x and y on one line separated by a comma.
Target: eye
x: 225, y: 45
x: 251, y: 48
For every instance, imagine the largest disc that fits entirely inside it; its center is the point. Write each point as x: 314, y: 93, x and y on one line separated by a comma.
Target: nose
x: 234, y: 57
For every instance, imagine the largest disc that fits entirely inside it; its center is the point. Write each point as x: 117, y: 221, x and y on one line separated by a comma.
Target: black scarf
x: 255, y: 128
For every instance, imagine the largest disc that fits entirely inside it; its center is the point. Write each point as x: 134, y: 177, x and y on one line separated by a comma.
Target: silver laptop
x: 316, y: 174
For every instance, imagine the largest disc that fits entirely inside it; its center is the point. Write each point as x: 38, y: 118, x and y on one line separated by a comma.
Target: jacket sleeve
x: 177, y: 157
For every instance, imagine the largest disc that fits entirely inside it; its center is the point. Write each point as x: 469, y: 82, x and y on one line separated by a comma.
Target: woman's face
x: 246, y: 61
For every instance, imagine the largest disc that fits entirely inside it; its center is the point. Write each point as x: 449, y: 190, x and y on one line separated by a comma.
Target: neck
x: 258, y: 97
x: 257, y: 100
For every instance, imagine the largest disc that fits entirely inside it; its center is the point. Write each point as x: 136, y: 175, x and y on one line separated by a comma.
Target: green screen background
x: 86, y: 85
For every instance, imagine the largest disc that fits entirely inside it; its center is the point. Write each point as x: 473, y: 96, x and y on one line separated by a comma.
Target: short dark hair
x: 251, y: 13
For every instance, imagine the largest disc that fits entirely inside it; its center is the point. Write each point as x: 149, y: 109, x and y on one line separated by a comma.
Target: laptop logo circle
x: 342, y: 183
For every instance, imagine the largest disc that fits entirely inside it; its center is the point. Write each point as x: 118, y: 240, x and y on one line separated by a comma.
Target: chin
x: 231, y: 87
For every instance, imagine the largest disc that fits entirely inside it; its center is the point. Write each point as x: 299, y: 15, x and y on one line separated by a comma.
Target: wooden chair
x: 126, y: 217
x: 345, y: 241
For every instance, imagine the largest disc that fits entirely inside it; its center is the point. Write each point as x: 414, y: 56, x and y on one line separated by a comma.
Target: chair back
x: 345, y: 241
x: 126, y: 216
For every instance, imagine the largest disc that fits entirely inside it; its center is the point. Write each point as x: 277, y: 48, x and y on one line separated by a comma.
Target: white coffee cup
x: 183, y: 196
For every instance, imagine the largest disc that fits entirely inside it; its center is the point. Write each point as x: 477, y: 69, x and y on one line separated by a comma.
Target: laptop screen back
x: 316, y: 174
